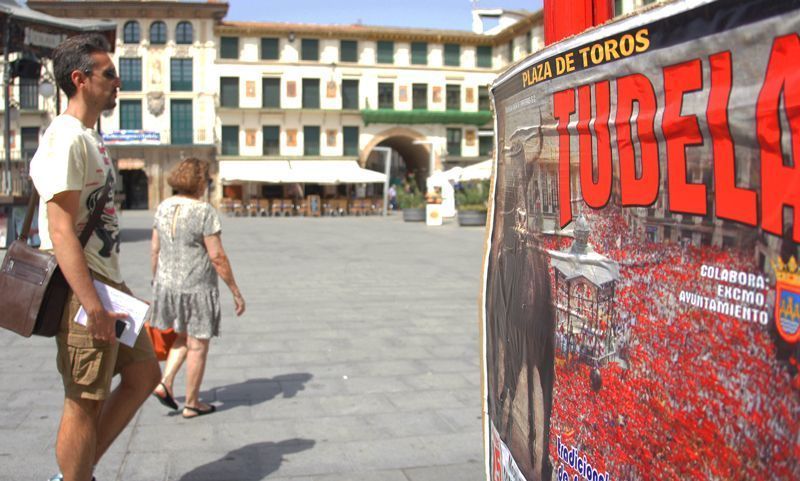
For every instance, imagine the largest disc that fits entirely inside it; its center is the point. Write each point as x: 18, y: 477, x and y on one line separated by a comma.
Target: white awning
x: 274, y: 171
x: 479, y: 171
x: 299, y: 171
x: 333, y: 172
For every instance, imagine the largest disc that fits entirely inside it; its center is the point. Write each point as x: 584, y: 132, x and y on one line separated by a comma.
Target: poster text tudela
x: 642, y: 291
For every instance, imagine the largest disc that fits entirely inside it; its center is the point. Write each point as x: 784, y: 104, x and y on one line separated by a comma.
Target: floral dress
x: 185, y: 288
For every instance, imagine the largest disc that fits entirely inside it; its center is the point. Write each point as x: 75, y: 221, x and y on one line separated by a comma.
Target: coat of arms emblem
x: 155, y: 103
x: 787, y: 299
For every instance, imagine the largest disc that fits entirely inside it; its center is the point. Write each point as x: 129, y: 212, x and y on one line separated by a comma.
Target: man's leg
x: 137, y: 382
x: 139, y: 374
x: 77, y: 438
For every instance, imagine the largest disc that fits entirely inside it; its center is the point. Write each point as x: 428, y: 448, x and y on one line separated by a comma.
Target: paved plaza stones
x: 357, y: 359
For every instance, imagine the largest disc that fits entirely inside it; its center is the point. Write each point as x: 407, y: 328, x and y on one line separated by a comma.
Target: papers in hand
x: 115, y: 300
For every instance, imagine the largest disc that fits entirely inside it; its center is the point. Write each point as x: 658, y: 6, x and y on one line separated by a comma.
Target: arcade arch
x: 408, y: 157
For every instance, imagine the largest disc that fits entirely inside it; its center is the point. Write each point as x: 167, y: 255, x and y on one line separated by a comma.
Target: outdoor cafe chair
x: 263, y: 207
x: 328, y: 207
x: 287, y: 207
x: 238, y: 208
x: 226, y: 206
x: 300, y: 207
x: 252, y: 208
x: 340, y: 206
x: 276, y: 207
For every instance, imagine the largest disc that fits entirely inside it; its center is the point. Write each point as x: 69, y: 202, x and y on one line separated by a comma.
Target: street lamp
x: 47, y: 88
x: 387, y: 166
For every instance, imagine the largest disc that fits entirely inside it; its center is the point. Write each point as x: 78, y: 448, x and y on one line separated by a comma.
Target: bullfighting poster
x: 641, y: 292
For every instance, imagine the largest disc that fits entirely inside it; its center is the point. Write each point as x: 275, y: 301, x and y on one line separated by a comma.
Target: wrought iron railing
x: 20, y: 180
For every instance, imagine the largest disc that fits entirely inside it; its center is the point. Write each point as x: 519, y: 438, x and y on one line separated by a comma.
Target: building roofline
x: 361, y: 32
x: 371, y: 32
x: 518, y: 27
x: 131, y: 9
x: 217, y: 10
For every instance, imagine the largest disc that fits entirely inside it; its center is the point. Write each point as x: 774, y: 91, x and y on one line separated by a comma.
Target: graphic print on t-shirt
x: 107, y: 229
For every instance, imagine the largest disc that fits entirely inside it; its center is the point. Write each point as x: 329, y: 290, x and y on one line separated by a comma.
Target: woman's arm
x: 223, y: 267
x: 155, y: 247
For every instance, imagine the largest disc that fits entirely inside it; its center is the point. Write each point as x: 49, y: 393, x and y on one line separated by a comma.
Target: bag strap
x: 26, y: 224
x: 96, y: 212
x: 94, y: 218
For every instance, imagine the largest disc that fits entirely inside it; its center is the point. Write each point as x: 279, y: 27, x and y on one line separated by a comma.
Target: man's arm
x: 61, y: 212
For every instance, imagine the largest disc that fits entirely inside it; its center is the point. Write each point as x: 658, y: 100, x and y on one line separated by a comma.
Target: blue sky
x: 444, y: 14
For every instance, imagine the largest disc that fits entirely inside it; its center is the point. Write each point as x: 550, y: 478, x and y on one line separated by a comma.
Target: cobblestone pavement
x: 357, y: 359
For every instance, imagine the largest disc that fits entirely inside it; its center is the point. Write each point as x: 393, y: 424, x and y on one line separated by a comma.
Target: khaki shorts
x: 87, y: 364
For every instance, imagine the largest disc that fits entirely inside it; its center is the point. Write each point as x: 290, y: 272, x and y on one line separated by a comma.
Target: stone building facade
x: 263, y: 94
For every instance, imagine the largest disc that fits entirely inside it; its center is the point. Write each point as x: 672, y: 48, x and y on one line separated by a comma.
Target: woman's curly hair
x: 190, y: 177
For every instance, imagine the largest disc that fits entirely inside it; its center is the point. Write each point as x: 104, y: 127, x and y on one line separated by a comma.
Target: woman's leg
x: 195, y: 368
x: 175, y: 359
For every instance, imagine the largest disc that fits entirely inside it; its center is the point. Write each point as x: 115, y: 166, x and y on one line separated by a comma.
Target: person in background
x: 187, y: 258
x: 70, y: 170
x: 392, y: 194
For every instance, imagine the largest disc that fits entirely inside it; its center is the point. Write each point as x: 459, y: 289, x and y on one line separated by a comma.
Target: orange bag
x: 162, y: 340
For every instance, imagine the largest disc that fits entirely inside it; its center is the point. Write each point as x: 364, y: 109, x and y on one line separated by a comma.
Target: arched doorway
x: 134, y: 188
x: 132, y: 191
x: 411, y: 155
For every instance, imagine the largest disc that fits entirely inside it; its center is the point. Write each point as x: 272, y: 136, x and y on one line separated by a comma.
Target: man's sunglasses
x: 109, y: 73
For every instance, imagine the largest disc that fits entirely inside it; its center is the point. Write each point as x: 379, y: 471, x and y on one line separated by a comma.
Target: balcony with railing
x: 16, y: 174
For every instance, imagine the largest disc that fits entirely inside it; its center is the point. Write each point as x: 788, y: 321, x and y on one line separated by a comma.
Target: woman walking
x: 187, y: 257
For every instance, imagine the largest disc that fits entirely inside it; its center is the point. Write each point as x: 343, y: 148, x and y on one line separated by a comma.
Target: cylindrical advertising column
x: 641, y: 294
x: 563, y: 18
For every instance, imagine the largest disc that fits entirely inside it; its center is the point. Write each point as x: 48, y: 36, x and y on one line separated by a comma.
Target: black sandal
x: 166, y: 399
x: 198, y: 412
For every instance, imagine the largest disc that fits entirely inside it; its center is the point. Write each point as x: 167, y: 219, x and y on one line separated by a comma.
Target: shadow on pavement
x: 256, y: 391
x: 249, y: 463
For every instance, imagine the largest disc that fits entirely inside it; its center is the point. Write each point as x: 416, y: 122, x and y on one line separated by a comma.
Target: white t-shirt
x: 72, y: 157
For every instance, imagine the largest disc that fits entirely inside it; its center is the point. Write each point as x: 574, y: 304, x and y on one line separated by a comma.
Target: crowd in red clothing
x: 697, y: 395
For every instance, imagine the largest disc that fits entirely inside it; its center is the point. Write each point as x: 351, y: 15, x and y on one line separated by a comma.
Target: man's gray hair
x: 75, y: 53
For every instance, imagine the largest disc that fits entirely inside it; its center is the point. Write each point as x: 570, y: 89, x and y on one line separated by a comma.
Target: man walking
x: 70, y: 169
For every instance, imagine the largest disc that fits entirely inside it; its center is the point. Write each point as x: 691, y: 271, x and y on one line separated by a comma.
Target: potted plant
x: 411, y: 202
x: 471, y: 202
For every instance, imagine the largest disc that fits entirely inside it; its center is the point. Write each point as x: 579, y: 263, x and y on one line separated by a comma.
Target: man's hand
x: 101, y: 324
x: 62, y: 210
